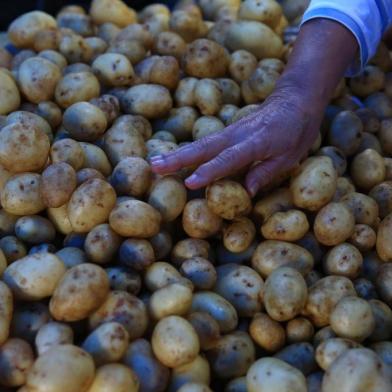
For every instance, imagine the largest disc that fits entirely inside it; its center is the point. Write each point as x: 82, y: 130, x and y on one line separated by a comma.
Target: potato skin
x: 383, y: 245
x: 7, y: 308
x: 112, y: 11
x: 9, y: 95
x: 53, y: 334
x: 81, y: 290
x: 238, y: 236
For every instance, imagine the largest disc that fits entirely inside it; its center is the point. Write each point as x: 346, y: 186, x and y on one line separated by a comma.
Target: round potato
x: 168, y: 43
x: 238, y: 236
x: 383, y: 321
x: 110, y: 105
x: 242, y: 65
x: 206, y: 125
x: 53, y: 334
x: 385, y: 136
x: 206, y: 328
x: 90, y: 205
x: 60, y: 220
x: 116, y: 12
x: 113, y: 69
x: 299, y: 330
x: 50, y: 112
x: 200, y: 272
x: 371, y: 80
x: 383, y: 245
x: 268, y: 12
x: 9, y: 94
x: 75, y: 48
x: 62, y: 367
x: 363, y: 207
x: 68, y: 151
x: 34, y: 229
x: 81, y: 290
x: 208, y: 97
x: 95, y: 158
x: 12, y: 248
x: 382, y: 193
x: 136, y: 253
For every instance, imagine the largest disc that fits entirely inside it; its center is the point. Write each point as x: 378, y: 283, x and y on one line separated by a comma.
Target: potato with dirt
x: 9, y: 94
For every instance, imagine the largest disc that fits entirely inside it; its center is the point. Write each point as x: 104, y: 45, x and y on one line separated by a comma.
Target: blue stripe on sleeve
x: 383, y: 13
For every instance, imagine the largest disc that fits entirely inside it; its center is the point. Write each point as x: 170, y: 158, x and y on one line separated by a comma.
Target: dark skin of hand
x: 280, y: 133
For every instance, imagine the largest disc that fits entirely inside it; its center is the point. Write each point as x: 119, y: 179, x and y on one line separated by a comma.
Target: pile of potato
x: 115, y: 279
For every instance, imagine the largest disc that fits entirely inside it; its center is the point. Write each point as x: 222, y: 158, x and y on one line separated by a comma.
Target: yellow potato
x: 364, y: 238
x: 68, y: 151
x: 208, y: 96
x: 383, y: 245
x: 59, y: 218
x: 238, y: 236
x: 268, y: 11
x: 9, y: 94
x: 90, y: 205
x: 242, y: 65
x: 95, y: 158
x: 7, y: 308
x: 75, y: 48
x: 168, y: 43
x: 188, y: 25
x: 80, y: 291
x: 112, y: 11
x: 206, y: 125
x: 53, y: 334
x: 363, y: 207
x: 298, y: 330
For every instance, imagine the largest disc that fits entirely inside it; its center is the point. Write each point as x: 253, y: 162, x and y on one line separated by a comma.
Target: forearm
x: 322, y: 52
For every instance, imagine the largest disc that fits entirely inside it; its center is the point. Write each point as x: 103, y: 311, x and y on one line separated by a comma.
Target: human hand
x: 270, y: 141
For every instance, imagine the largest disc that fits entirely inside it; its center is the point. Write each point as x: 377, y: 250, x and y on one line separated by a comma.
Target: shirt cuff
x: 338, y: 16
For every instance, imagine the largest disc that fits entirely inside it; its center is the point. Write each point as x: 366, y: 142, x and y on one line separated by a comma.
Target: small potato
x: 68, y: 151
x: 298, y: 330
x: 109, y: 104
x: 23, y: 148
x: 206, y: 125
x: 270, y: 255
x: 159, y: 147
x: 34, y: 229
x: 152, y: 375
x: 382, y: 194
x: 208, y: 97
x: 168, y: 196
x: 168, y: 43
x: 112, y: 11
x: 149, y: 100
x: 137, y: 254
x: 274, y: 375
x: 344, y: 186
x: 54, y: 57
x: 268, y: 12
x: 59, y: 218
x: 200, y: 272
x: 323, y: 335
x: 21, y: 56
x: 81, y: 290
x: 285, y: 294
x: 369, y: 141
x: 285, y: 226
x: 76, y: 68
x: 314, y: 183
x: 367, y: 169
x: 135, y: 218
x: 385, y: 136
x: 227, y: 112
x: 7, y: 223
x: 384, y: 283
x: 242, y: 287
x: 255, y: 37
x: 9, y: 95
x: 383, y: 245
x: 363, y: 238
x: 124, y: 279
x: 184, y: 94
x: 188, y: 25
x: 188, y: 248
x: 102, y: 244
x: 199, y: 221
x: 383, y: 350
x: 338, y: 159
x: 79, y: 23
x: 206, y: 328
x: 329, y: 350
x: 174, y: 341
x: 133, y: 50
x: 159, y: 275
x: 58, y: 183
x: 75, y: 49
x: 84, y: 121
x: 50, y: 112
x: 23, y: 29
x: 173, y: 299
x: 37, y: 78
x: 228, y: 199
x: 113, y: 69
x: 352, y: 318
x: 383, y: 321
x: 22, y: 194
x: 261, y: 83
x: 86, y: 174
x: 114, y: 377
x: 90, y: 205
x: 76, y: 87
x: 365, y: 288
x: 123, y: 308
x: 162, y: 244
x: 5, y: 58
x: 242, y: 65
x: 65, y: 367
x: 363, y: 207
x: 16, y: 359
x: 371, y: 80
x: 12, y: 248
x: 7, y: 307
x: 231, y: 93
x: 334, y: 224
x: 367, y: 373
x: 238, y: 236
x: 107, y: 343
x: 370, y: 121
x: 53, y: 334
x: 323, y: 297
x: 343, y: 260
x: 267, y: 333
x: 97, y: 44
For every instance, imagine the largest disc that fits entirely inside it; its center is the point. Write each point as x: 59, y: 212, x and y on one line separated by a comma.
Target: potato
x: 381, y: 193
x: 323, y: 335
x: 199, y: 221
x: 323, y: 297
x: 77, y: 22
x: 34, y: 229
x: 90, y: 205
x: 76, y: 87
x: 23, y: 148
x: 383, y: 245
x: 369, y: 141
x: 113, y: 69
x: 123, y: 308
x: 206, y: 328
x: 369, y: 119
x: 200, y: 272
x: 132, y: 49
x: 5, y: 58
x: 102, y: 244
x: 114, y: 377
x: 81, y: 290
x: 173, y: 299
x: 62, y: 367
x: 58, y: 183
x: 76, y: 68
x: 53, y: 334
x: 135, y: 218
x: 363, y: 238
x: 338, y: 159
x: 149, y: 100
x: 174, y: 341
x: 136, y: 253
x: 380, y: 103
x: 368, y: 373
x: 124, y: 279
x: 68, y: 151
x: 3, y: 262
x: 84, y: 121
x: 268, y: 12
x: 344, y: 186
x: 152, y: 375
x: 383, y: 321
x: 107, y: 343
x: 267, y: 333
x: 299, y: 330
x: 206, y: 125
x: 110, y: 105
x: 50, y: 112
x: 383, y: 283
x: 314, y: 183
x: 7, y: 308
x: 12, y: 248
x: 188, y: 25
x: 184, y: 94
x: 371, y: 80
x: 59, y: 218
x: 227, y: 112
x: 334, y: 224
x: 238, y: 236
x: 383, y: 350
x: 159, y: 147
x: 16, y: 359
x: 75, y: 49
x: 9, y: 95
x: 273, y: 375
x: 86, y: 174
x: 23, y: 29
x: 363, y: 207
x: 18, y: 59
x: 236, y: 385
x: 97, y: 44
x: 385, y: 136
x: 367, y: 169
x: 7, y: 223
x: 168, y: 43
x: 162, y: 244
x: 263, y: 43
x: 344, y: 260
x: 159, y: 275
x: 365, y: 288
x: 21, y: 194
x: 116, y: 12
x: 270, y: 255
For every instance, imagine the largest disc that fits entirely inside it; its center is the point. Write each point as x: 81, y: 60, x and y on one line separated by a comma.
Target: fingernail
x: 252, y: 189
x: 157, y: 162
x: 193, y: 178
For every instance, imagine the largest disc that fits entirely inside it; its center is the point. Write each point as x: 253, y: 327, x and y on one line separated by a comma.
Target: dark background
x: 10, y: 9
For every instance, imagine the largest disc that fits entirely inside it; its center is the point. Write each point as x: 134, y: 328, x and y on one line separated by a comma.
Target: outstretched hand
x: 270, y: 141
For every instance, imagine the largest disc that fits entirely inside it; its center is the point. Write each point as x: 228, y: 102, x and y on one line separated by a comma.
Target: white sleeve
x: 366, y: 19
